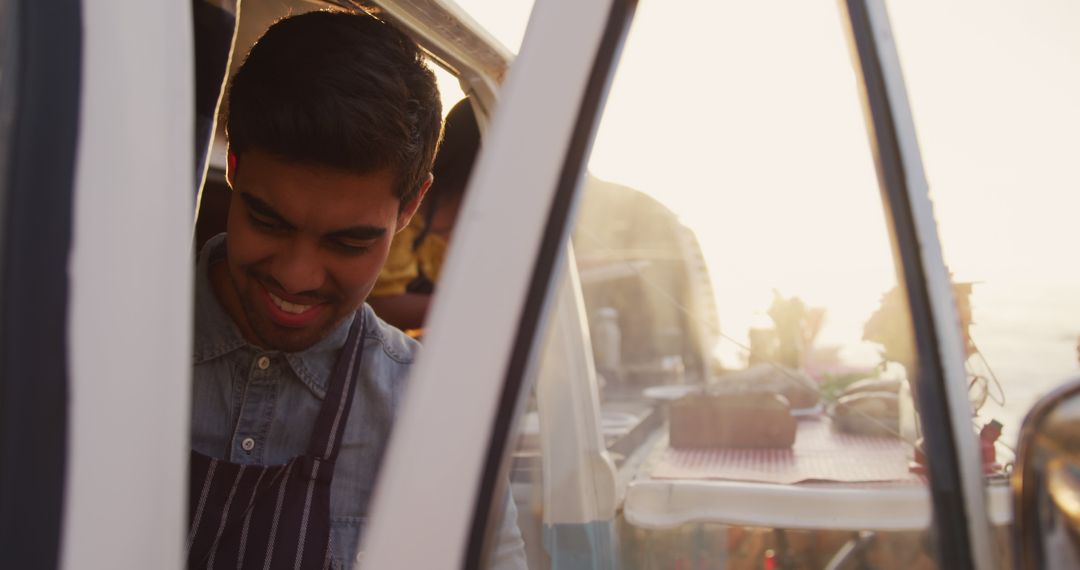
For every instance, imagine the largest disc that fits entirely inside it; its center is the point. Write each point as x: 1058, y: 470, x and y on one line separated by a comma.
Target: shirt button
x: 263, y: 363
x: 248, y: 444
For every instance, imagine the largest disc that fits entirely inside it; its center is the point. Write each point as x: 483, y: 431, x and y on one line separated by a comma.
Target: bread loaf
x: 799, y: 389
x: 743, y: 420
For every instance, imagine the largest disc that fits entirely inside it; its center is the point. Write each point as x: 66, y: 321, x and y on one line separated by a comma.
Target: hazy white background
x: 744, y: 119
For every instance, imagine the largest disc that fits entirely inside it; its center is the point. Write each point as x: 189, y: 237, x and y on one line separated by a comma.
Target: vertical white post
x: 131, y: 271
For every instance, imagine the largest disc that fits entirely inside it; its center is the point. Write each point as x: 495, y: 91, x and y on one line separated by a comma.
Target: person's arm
x: 509, y: 550
x: 404, y: 310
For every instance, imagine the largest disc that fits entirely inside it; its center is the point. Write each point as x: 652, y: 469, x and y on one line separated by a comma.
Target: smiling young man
x: 333, y: 123
x: 305, y: 245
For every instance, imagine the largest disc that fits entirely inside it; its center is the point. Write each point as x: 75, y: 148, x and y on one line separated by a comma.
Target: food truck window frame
x: 955, y: 479
x: 514, y: 221
x: 960, y: 520
x: 444, y: 506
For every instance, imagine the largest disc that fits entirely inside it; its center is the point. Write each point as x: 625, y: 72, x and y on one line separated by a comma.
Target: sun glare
x: 744, y: 120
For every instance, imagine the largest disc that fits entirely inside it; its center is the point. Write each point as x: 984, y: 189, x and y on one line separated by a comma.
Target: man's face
x: 305, y: 246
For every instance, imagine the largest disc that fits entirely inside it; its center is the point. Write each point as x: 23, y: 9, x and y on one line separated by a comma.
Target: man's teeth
x: 287, y: 306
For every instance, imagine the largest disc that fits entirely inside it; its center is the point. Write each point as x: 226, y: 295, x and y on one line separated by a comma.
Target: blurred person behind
x: 404, y: 289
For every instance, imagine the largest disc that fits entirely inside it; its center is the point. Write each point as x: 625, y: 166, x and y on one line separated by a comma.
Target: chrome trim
x: 1027, y: 546
x: 451, y: 37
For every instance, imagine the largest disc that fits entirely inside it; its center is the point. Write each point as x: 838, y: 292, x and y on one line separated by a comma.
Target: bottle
x: 607, y: 342
x: 909, y: 420
x: 674, y: 369
x: 988, y: 437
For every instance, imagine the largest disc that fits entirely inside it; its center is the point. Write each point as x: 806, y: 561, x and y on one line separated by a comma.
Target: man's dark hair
x: 338, y: 89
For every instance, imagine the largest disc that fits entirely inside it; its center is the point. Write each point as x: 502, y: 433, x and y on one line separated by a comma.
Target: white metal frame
x: 438, y: 449
x: 130, y: 305
x: 580, y: 485
x: 661, y: 504
x: 940, y: 290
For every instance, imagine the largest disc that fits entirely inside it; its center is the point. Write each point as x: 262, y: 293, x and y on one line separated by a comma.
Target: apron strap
x: 330, y: 424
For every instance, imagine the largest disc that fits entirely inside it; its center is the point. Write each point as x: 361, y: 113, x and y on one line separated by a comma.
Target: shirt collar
x: 315, y: 365
x: 216, y: 335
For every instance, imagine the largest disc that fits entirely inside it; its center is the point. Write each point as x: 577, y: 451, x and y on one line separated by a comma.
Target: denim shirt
x: 258, y: 407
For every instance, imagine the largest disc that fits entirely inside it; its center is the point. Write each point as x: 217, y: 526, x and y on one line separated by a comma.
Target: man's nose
x: 297, y: 269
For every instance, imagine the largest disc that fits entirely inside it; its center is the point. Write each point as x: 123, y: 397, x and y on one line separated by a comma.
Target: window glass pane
x: 993, y: 87
x: 748, y: 351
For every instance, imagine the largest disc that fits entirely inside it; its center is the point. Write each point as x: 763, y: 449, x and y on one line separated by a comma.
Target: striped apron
x: 254, y: 516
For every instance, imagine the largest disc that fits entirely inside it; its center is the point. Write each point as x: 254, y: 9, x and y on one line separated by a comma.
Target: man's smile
x: 288, y: 313
x: 288, y: 307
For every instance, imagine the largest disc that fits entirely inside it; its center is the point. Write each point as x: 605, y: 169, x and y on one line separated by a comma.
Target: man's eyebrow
x: 358, y: 233
x: 263, y: 209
